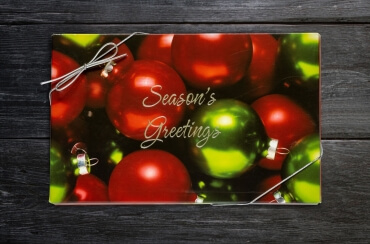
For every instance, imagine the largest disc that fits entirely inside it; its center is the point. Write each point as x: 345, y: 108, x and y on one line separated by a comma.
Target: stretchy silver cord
x: 68, y: 79
x: 278, y: 184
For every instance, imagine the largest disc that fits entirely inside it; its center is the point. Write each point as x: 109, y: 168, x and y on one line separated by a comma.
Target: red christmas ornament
x: 259, y: 77
x: 121, y: 66
x: 149, y: 176
x: 156, y: 47
x: 67, y: 104
x: 283, y: 120
x: 89, y: 188
x: 192, y: 197
x: 100, y: 82
x: 211, y: 60
x: 72, y: 133
x: 265, y: 185
x: 147, y: 96
x: 98, y: 88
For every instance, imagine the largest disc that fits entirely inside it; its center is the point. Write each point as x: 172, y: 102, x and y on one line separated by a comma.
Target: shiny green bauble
x: 210, y: 189
x: 235, y: 148
x: 305, y: 186
x: 58, y: 175
x: 82, y: 40
x: 299, y: 60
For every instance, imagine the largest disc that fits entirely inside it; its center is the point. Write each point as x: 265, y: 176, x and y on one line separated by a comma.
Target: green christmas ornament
x: 211, y: 189
x: 237, y: 140
x: 82, y: 40
x: 298, y: 59
x: 304, y: 187
x: 59, y: 186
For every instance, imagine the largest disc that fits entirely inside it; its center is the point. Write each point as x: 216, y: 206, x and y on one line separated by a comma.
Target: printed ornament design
x: 210, y: 118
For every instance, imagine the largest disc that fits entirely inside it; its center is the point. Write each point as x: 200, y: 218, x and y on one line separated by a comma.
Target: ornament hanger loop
x: 84, y: 163
x: 68, y: 79
x: 89, y: 162
x: 282, y: 150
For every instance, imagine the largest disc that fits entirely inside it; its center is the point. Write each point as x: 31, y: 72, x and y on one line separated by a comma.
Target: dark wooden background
x: 25, y: 48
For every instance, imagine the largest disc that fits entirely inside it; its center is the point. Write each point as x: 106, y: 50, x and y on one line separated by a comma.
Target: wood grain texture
x: 25, y: 48
x: 28, y: 217
x: 345, y: 73
x: 184, y: 11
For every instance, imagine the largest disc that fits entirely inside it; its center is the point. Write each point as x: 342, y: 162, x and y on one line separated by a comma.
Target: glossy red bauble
x: 67, y: 104
x: 98, y: 88
x: 211, y: 60
x: 259, y: 77
x: 89, y: 188
x: 284, y: 120
x: 76, y: 131
x: 149, y: 176
x: 142, y: 96
x: 121, y: 65
x: 265, y: 185
x: 192, y: 197
x: 156, y: 47
x: 99, y: 83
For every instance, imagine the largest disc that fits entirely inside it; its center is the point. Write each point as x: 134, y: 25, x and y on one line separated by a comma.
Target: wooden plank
x: 219, y: 11
x: 26, y: 215
x: 25, y: 44
x: 25, y: 62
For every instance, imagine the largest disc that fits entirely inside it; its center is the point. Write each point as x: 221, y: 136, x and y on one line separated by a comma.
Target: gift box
x: 206, y: 118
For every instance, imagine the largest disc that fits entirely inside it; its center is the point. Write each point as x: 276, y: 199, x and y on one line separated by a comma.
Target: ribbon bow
x: 68, y: 79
